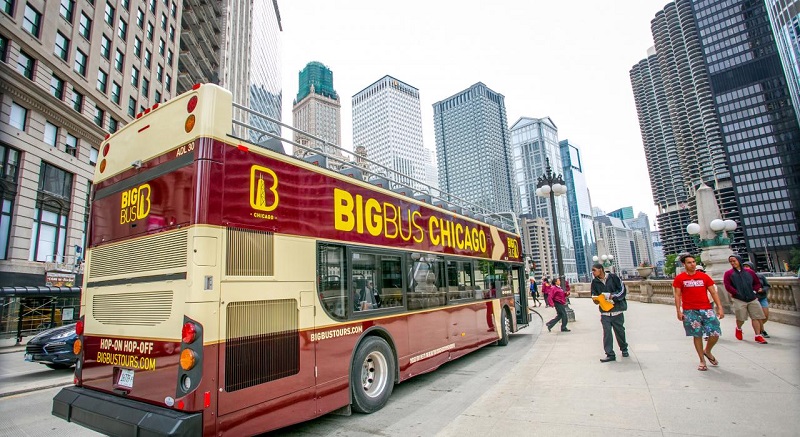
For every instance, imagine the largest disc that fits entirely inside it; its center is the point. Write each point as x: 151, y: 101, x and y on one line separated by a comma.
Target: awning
x: 42, y: 290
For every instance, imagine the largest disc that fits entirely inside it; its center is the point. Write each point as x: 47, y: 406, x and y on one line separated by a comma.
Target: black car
x: 53, y: 347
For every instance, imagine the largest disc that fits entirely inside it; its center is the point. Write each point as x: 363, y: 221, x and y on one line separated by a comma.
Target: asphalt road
x: 421, y: 406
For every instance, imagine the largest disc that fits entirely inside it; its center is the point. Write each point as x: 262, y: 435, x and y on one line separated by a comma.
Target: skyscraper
x: 387, y: 121
x: 70, y: 72
x: 580, y: 208
x: 784, y: 16
x: 534, y: 142
x: 473, y: 148
x: 266, y: 92
x: 666, y: 176
x: 642, y: 223
x: 624, y: 213
x: 317, y: 110
x: 758, y: 120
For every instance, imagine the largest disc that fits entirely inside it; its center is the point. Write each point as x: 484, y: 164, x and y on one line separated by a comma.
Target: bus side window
x: 332, y: 286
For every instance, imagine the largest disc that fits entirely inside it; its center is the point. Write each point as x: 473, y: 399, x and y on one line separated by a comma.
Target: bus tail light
x: 190, y: 370
x: 189, y: 332
x: 188, y: 360
x: 77, y: 347
x: 189, y: 125
x: 79, y: 327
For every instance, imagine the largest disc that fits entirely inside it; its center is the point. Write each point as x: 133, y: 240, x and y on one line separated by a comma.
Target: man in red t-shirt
x: 698, y: 317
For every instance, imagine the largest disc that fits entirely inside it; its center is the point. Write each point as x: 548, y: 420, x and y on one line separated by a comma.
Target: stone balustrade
x: 784, y: 295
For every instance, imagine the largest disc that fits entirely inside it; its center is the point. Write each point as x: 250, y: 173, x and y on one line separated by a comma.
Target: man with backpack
x: 762, y: 296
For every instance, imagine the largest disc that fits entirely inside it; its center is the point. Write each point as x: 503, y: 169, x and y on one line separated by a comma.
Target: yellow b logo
x: 263, y: 180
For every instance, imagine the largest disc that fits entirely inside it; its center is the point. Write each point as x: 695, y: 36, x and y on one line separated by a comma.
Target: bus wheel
x: 505, y: 327
x: 372, y: 375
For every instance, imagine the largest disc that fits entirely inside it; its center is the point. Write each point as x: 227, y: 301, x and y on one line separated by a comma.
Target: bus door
x: 521, y: 288
x: 265, y: 352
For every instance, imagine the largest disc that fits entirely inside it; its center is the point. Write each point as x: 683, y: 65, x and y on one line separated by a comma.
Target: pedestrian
x: 535, y: 293
x: 611, y: 286
x: 762, y: 296
x: 691, y: 288
x: 558, y: 299
x: 546, y: 291
x: 743, y: 284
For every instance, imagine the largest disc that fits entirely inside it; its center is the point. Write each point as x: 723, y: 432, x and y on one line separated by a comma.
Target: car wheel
x: 372, y: 375
x: 57, y: 366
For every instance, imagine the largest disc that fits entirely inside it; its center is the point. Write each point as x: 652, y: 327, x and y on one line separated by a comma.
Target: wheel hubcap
x: 374, y: 374
x: 507, y: 325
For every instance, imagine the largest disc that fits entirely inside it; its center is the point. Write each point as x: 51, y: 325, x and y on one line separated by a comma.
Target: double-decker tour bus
x: 234, y: 289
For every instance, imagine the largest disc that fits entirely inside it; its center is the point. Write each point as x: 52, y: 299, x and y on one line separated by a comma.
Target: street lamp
x: 606, y: 260
x: 718, y: 226
x: 551, y: 185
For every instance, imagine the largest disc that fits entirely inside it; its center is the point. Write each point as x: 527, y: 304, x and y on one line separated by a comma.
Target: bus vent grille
x: 163, y: 251
x: 262, y: 342
x: 138, y: 308
x: 250, y: 253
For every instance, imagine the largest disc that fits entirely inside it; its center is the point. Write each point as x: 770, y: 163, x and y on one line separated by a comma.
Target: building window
x: 157, y: 97
x: 153, y: 6
x: 32, y: 20
x: 148, y: 58
x: 172, y: 33
x: 168, y: 82
x: 122, y: 29
x: 25, y: 65
x: 80, y: 62
x: 161, y: 46
x: 109, y: 15
x: 77, y: 100
x: 150, y: 31
x: 173, y: 9
x: 57, y: 87
x: 93, y: 154
x: 50, y: 133
x: 119, y: 61
x: 140, y: 18
x: 135, y: 77
x: 145, y: 88
x: 8, y: 173
x: 159, y: 73
x: 62, y: 46
x: 137, y: 47
x: 85, y: 26
x: 131, y: 106
x: 18, y: 117
x: 115, y: 92
x: 3, y: 48
x: 67, y: 9
x: 169, y: 57
x: 126, y: 4
x: 112, y: 124
x: 102, y: 81
x: 99, y: 114
x: 163, y: 21
x: 105, y: 47
x: 71, y: 145
x: 49, y: 233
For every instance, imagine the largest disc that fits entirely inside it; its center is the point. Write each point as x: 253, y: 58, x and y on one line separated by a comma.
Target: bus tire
x: 372, y: 375
x: 505, y: 327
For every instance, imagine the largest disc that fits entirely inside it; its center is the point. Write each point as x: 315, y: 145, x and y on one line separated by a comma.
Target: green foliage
x: 794, y: 259
x: 670, y: 264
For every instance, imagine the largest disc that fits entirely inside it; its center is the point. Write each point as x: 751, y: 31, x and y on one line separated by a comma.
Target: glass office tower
x: 580, y: 208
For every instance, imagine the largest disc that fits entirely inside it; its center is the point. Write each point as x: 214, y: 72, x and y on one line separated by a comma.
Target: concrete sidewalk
x: 561, y: 388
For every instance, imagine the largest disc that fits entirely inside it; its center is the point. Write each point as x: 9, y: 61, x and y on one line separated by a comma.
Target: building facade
x: 624, y: 213
x: 537, y: 245
x: 473, y: 149
x: 758, y: 121
x: 645, y: 250
x: 387, y: 121
x: 534, y: 142
x: 70, y: 72
x: 317, y: 111
x: 580, y: 209
x: 616, y: 239
x: 784, y: 16
x: 266, y: 89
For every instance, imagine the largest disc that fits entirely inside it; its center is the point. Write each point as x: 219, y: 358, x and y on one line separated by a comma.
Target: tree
x: 794, y: 259
x: 670, y: 264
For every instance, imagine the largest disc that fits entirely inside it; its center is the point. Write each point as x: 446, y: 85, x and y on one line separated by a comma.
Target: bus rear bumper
x: 113, y: 415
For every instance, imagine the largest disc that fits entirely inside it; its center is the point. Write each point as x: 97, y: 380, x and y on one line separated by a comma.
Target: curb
x: 28, y: 390
x: 12, y: 351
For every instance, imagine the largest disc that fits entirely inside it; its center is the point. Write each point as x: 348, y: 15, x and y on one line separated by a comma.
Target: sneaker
x: 608, y: 358
x: 625, y: 354
x: 738, y: 334
x: 566, y: 330
x: 764, y: 334
x: 760, y: 339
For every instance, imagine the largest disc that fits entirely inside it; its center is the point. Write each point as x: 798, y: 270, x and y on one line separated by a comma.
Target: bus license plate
x: 125, y: 378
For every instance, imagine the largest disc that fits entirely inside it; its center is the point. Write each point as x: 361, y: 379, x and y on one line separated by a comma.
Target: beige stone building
x: 71, y: 71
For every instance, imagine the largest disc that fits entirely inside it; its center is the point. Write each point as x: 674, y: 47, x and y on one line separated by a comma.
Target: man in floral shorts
x: 695, y: 311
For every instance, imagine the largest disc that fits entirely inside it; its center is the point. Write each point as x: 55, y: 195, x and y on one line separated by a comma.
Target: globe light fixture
x: 720, y: 227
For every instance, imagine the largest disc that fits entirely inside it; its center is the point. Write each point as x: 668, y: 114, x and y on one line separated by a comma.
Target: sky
x: 569, y: 60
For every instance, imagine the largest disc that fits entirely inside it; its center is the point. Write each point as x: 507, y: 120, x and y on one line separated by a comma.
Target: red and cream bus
x: 232, y: 289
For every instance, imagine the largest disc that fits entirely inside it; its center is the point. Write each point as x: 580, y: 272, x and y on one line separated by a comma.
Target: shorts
x: 744, y: 309
x: 764, y: 302
x: 701, y: 323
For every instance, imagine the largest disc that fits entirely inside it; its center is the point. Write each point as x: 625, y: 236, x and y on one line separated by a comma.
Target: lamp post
x: 606, y: 260
x: 711, y: 233
x: 551, y: 185
x: 718, y: 226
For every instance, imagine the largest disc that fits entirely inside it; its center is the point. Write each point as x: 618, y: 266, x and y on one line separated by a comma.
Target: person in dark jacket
x: 558, y: 299
x: 762, y: 297
x: 743, y: 284
x: 611, y: 286
x: 535, y: 293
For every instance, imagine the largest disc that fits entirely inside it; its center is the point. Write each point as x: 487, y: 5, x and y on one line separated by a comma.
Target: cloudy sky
x: 569, y: 60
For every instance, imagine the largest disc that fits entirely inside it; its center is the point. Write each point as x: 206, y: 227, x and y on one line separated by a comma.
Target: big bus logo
x: 263, y: 188
x: 513, y: 248
x: 135, y: 204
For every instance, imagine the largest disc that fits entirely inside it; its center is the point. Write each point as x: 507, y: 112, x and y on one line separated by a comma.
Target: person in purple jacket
x: 743, y: 286
x: 558, y: 298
